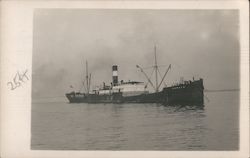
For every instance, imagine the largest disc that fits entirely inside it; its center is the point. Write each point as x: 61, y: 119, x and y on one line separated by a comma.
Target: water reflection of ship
x: 184, y: 92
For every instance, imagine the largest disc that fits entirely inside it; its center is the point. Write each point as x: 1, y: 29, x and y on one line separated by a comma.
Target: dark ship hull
x: 187, y: 93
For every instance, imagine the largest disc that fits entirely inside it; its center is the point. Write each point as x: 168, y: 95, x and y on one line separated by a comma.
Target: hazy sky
x: 199, y: 43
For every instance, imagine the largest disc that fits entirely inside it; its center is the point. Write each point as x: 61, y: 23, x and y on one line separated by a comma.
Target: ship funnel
x: 115, y: 75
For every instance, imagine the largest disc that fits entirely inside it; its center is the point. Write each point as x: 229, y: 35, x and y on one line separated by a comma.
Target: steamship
x: 183, y: 93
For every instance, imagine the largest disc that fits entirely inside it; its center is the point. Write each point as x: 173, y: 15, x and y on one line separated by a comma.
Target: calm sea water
x: 58, y: 125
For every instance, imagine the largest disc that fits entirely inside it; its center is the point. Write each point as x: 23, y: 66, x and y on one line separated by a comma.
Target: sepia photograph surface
x: 135, y: 79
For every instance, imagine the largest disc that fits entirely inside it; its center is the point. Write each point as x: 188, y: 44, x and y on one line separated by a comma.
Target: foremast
x: 88, y: 79
x: 156, y: 71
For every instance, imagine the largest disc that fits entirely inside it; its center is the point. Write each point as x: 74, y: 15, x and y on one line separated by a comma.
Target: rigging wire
x: 161, y: 77
x: 150, y: 77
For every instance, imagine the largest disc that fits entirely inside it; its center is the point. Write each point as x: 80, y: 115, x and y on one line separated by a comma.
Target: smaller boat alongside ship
x: 183, y: 93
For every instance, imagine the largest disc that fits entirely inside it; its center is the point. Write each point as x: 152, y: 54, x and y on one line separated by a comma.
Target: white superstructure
x: 130, y: 88
x: 127, y: 89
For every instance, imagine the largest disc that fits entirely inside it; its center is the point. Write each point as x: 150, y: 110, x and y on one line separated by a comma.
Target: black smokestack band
x: 115, y: 75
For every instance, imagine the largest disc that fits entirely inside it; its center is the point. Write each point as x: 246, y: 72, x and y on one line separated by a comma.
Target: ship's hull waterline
x: 189, y: 93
